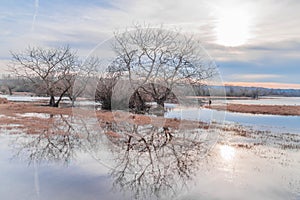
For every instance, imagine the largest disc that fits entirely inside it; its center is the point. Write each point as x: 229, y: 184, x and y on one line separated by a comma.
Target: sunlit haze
x: 233, y: 26
x: 250, y: 41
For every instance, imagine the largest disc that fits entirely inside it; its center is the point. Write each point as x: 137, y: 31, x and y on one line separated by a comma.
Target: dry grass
x: 12, y: 117
x: 3, y: 101
x: 12, y: 114
x: 10, y: 109
x: 260, y: 109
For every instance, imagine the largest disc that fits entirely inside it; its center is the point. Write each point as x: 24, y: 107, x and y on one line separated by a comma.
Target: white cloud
x: 90, y: 23
x: 275, y: 28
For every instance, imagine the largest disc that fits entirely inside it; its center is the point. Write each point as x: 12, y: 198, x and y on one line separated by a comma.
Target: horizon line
x: 271, y: 85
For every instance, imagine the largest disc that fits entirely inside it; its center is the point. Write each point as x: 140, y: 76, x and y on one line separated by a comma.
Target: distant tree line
x: 10, y: 84
x: 239, y: 91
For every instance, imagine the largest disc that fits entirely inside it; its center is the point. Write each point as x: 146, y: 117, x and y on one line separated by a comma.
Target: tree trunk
x: 73, y: 101
x: 139, y: 103
x: 56, y: 104
x: 58, y: 101
x: 161, y: 100
x: 52, y: 101
x: 9, y: 91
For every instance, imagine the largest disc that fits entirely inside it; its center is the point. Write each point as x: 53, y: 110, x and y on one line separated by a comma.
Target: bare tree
x: 51, y: 69
x: 160, y: 59
x: 84, y: 75
x: 104, y: 89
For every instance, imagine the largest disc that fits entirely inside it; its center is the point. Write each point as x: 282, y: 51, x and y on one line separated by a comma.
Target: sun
x: 232, y: 27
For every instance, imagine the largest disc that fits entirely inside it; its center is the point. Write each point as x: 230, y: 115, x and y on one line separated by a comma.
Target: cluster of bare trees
x: 150, y: 65
x: 153, y: 62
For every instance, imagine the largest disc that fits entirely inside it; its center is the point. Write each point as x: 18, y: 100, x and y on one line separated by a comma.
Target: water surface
x: 74, y: 160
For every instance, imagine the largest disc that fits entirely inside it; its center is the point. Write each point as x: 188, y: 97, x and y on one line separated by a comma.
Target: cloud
x: 271, y: 54
x: 36, y: 8
x: 76, y: 21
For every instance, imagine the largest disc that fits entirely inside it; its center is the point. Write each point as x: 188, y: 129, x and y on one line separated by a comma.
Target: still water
x: 275, y: 123
x: 78, y: 158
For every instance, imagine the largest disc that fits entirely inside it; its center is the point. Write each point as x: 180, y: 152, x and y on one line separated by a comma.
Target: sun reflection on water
x: 227, y: 152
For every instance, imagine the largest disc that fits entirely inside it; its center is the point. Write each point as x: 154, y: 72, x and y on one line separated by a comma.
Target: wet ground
x: 83, y: 157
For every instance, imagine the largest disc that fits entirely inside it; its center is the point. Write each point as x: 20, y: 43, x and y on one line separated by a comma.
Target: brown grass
x: 3, y: 101
x: 10, y: 109
x: 34, y: 125
x: 260, y: 109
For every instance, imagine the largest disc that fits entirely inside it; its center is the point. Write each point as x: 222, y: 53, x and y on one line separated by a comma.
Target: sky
x: 252, y: 42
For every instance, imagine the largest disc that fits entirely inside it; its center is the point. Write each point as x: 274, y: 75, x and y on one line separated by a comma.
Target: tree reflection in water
x: 59, y: 142
x: 154, y: 161
x: 147, y: 160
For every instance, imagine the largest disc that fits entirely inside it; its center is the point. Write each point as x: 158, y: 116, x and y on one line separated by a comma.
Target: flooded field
x: 23, y: 98
x: 54, y: 155
x: 276, y: 123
